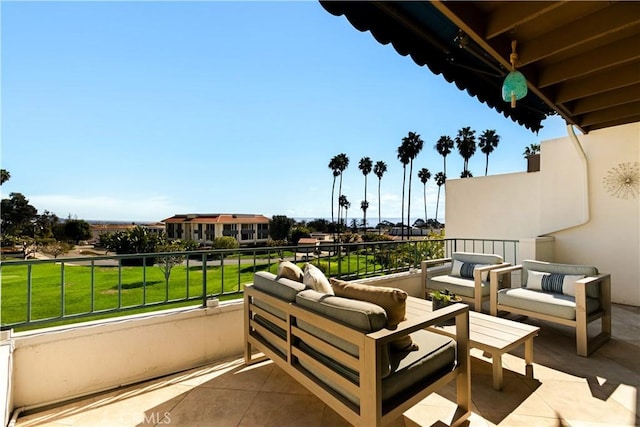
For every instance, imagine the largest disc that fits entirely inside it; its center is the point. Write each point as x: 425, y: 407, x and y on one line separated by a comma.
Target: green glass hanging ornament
x: 514, y: 86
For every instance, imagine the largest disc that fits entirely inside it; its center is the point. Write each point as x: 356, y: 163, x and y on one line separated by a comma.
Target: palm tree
x: 414, y: 146
x: 364, y: 205
x: 342, y: 165
x: 466, y: 143
x: 531, y: 150
x: 440, y: 178
x: 489, y: 140
x: 444, y: 147
x: 466, y: 174
x: 403, y: 156
x: 365, y: 167
x: 379, y: 170
x: 333, y: 165
x: 345, y: 204
x: 424, y: 176
x: 5, y: 175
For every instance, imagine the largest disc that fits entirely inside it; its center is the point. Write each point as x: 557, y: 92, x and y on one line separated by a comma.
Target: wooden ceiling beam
x: 510, y: 15
x: 592, y: 27
x: 608, y: 99
x: 610, y: 114
x: 608, y: 56
x: 616, y: 122
x: 594, y: 84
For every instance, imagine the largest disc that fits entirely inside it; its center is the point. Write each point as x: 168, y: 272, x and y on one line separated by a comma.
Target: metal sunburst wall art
x: 623, y: 181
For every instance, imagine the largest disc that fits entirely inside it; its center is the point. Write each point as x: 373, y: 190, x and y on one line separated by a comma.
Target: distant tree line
x: 407, y: 152
x: 22, y: 226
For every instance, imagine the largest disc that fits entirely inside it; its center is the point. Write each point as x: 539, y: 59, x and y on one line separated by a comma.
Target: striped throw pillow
x: 465, y: 270
x: 556, y: 283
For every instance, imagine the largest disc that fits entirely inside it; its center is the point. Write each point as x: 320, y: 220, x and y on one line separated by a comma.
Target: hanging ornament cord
x: 513, y: 58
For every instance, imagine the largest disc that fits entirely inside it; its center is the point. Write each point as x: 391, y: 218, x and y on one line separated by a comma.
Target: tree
x: 4, y: 176
x: 403, y: 156
x: 344, y: 204
x: 319, y: 224
x: 46, y: 224
x: 169, y: 260
x: 76, y: 230
x: 364, y: 205
x: 466, y: 174
x: 414, y: 146
x: 343, y: 164
x: 333, y: 165
x: 225, y: 242
x: 466, y: 144
x: 365, y: 167
x: 531, y: 150
x: 379, y: 170
x: 138, y: 240
x: 56, y: 248
x: 18, y: 216
x: 444, y: 147
x: 440, y: 178
x: 489, y: 140
x: 298, y: 233
x: 280, y: 227
x: 424, y: 176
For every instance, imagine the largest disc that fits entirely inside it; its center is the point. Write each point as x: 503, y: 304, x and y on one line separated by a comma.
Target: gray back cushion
x: 282, y: 288
x: 552, y: 267
x: 362, y: 315
x: 476, y: 258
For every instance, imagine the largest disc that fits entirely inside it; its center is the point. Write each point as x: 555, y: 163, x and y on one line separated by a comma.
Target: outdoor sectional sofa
x: 465, y: 273
x: 568, y: 294
x: 339, y: 349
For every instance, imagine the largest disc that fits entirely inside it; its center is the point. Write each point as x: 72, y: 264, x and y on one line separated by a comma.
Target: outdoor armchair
x: 568, y: 294
x: 465, y: 273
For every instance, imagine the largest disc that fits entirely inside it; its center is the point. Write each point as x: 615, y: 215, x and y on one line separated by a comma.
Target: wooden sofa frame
x: 584, y: 345
x: 370, y: 412
x: 478, y: 298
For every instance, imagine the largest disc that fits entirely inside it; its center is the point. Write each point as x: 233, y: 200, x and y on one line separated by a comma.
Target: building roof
x: 218, y: 219
x: 581, y: 59
x: 307, y: 241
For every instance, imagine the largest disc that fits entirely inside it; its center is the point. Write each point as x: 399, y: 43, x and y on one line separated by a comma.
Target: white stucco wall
x: 477, y: 207
x: 610, y: 239
x: 6, y: 370
x: 57, y: 364
x: 551, y: 202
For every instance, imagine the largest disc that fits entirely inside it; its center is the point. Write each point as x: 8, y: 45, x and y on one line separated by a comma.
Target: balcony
x: 183, y: 366
x: 566, y: 390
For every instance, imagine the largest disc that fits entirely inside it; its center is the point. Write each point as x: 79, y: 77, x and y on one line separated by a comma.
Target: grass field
x: 126, y: 287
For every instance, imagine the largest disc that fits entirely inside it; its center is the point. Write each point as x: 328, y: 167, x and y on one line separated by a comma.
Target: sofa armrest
x: 490, y: 267
x: 459, y: 311
x: 499, y: 278
x: 435, y: 267
x: 603, y: 280
x: 477, y: 272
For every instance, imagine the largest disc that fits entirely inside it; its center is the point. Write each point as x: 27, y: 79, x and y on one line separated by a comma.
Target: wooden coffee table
x: 493, y: 335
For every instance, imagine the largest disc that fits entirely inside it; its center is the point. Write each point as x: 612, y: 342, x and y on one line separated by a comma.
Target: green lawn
x: 115, y: 288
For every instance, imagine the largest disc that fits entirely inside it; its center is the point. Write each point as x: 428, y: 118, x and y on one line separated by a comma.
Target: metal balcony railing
x: 39, y: 293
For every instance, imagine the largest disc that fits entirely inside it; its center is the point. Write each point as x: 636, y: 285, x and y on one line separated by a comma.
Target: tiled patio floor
x: 566, y: 390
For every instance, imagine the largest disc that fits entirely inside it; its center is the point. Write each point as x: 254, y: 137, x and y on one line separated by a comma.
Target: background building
x: 204, y: 228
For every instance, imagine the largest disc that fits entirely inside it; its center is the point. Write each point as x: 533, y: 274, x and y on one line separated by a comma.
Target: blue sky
x: 142, y: 110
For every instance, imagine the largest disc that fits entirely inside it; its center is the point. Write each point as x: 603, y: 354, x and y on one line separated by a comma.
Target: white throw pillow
x: 553, y: 282
x: 316, y: 280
